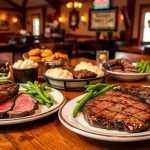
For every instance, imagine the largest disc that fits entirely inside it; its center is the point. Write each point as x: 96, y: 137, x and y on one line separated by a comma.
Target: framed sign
x: 74, y: 19
x: 103, y: 19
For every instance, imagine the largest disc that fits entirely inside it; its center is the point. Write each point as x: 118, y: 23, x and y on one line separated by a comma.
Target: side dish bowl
x: 72, y: 84
x: 127, y: 76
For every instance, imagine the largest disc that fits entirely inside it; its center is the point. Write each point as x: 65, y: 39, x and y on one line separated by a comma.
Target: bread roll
x: 35, y: 58
x: 34, y: 52
x: 46, y: 53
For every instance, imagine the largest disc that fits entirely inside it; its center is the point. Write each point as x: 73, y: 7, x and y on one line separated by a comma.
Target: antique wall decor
x: 74, y: 19
x: 4, y: 22
x: 103, y: 19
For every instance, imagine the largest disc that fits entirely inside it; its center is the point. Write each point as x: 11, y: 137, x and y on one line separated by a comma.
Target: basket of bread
x: 41, y: 55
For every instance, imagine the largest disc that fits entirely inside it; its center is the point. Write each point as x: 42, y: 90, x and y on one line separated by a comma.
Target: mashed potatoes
x: 20, y: 64
x: 59, y: 73
x: 89, y: 67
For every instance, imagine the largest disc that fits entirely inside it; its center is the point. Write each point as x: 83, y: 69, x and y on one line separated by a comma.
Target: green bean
x: 97, y: 86
x: 105, y: 89
x: 38, y: 99
x: 84, y: 100
x: 48, y: 105
x: 40, y: 92
x: 5, y: 81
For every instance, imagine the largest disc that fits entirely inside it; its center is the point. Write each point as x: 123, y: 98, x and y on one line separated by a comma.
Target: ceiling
x: 28, y: 3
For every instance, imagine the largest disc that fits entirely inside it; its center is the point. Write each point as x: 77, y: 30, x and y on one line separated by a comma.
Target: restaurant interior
x: 109, y: 40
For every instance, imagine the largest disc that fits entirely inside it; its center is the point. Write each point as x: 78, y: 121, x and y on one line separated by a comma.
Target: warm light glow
x: 75, y: 4
x: 14, y: 20
x: 122, y: 18
x: 83, y: 18
x: 69, y: 5
x: 79, y: 5
x: 60, y: 19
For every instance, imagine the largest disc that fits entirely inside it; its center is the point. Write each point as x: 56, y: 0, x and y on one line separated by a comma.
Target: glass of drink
x: 101, y: 57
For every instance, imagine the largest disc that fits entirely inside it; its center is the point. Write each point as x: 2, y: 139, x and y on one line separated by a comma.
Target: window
x: 36, y: 25
x: 146, y: 29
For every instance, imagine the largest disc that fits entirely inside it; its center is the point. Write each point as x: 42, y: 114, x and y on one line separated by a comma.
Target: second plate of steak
x: 119, y: 111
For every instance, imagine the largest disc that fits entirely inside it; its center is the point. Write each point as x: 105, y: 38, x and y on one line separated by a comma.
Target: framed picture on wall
x: 103, y: 19
x: 74, y: 19
x: 4, y: 22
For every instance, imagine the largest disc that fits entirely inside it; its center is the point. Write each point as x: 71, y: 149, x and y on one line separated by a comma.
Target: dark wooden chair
x: 146, y: 50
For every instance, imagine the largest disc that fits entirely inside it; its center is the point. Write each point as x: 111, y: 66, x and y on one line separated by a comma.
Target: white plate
x: 7, y: 77
x: 127, y: 76
x: 80, y: 126
x: 43, y: 111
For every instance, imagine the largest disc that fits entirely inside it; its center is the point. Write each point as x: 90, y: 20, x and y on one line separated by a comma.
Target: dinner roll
x: 46, y: 53
x: 35, y: 58
x: 34, y: 52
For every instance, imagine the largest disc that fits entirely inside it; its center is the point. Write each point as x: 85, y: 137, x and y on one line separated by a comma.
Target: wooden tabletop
x: 49, y: 134
x: 132, y: 49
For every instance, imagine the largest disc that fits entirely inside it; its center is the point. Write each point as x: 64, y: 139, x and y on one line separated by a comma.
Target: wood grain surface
x: 49, y: 134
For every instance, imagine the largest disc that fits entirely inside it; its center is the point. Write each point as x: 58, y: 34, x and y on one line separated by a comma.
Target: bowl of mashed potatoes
x: 64, y: 79
x: 25, y: 70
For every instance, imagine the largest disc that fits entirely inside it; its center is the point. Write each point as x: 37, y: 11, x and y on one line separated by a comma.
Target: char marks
x: 117, y: 110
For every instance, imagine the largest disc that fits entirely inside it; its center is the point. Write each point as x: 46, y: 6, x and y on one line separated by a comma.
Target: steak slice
x: 115, y: 110
x: 24, y: 105
x: 141, y: 92
x: 6, y: 106
x: 8, y: 90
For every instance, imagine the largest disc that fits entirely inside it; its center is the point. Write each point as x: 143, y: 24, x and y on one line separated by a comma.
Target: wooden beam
x: 24, y: 3
x: 13, y: 4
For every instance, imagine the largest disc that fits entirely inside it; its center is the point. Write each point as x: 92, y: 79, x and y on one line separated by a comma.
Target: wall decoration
x: 101, y: 4
x: 74, y: 19
x: 103, y: 19
x: 4, y: 22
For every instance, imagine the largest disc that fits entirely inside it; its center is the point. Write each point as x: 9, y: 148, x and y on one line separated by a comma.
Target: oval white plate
x: 127, y: 76
x: 80, y: 126
x: 43, y: 111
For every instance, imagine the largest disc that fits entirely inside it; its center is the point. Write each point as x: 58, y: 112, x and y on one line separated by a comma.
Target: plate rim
x: 98, y: 136
x: 10, y: 121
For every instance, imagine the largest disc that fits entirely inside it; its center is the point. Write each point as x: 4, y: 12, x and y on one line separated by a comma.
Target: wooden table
x: 49, y: 134
x: 132, y: 49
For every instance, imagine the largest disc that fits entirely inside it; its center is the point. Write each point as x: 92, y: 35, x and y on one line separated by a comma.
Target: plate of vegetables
x: 49, y: 100
x: 124, y: 70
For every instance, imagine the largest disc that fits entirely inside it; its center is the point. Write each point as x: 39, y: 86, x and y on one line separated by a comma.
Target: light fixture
x: 14, y: 20
x: 83, y: 19
x: 60, y: 19
x: 74, y: 4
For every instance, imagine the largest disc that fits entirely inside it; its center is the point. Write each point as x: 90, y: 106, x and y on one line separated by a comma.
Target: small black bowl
x: 24, y: 75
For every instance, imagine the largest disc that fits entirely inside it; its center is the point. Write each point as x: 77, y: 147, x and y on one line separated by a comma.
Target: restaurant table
x: 49, y: 134
x: 132, y: 49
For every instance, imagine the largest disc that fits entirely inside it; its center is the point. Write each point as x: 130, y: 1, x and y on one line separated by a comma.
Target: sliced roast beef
x: 116, y: 110
x: 24, y: 105
x: 8, y: 90
x: 6, y: 106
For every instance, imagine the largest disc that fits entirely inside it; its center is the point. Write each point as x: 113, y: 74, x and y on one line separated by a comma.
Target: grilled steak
x: 24, y: 105
x: 83, y: 74
x: 8, y: 90
x: 6, y: 106
x: 141, y: 92
x: 115, y: 110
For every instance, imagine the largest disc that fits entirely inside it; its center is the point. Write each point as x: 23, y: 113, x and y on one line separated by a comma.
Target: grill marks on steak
x: 8, y: 90
x: 115, y: 110
x: 141, y: 92
x: 24, y: 105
